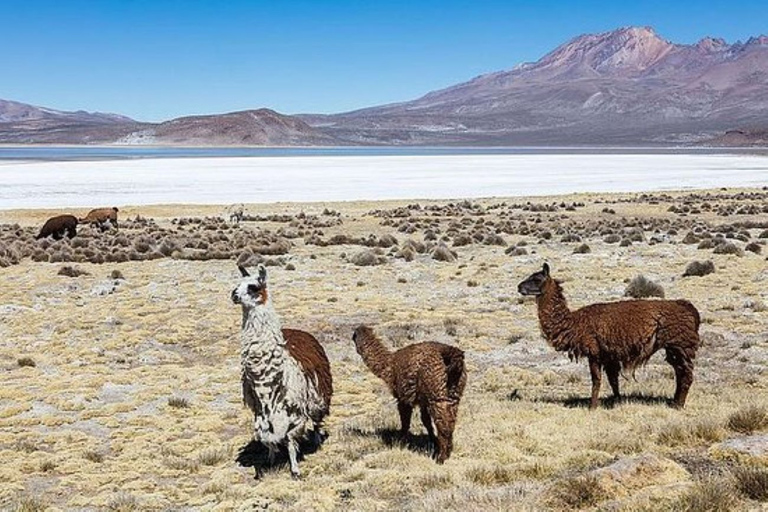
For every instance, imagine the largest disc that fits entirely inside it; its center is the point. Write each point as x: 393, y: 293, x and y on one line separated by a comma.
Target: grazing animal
x: 103, y: 218
x: 285, y: 373
x: 58, y: 227
x: 428, y: 375
x: 618, y: 335
x: 236, y: 213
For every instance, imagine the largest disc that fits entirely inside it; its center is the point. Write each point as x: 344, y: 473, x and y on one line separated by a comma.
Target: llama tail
x: 453, y: 358
x: 692, y: 309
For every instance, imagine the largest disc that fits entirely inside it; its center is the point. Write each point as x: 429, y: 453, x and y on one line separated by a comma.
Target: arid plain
x: 120, y: 386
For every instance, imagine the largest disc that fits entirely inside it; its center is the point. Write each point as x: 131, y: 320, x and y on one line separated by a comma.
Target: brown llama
x: 618, y: 335
x: 428, y: 375
x: 58, y: 227
x: 103, y: 218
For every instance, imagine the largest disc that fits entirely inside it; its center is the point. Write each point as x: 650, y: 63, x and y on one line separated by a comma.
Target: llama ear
x: 243, y: 271
x: 262, y: 275
x: 546, y: 269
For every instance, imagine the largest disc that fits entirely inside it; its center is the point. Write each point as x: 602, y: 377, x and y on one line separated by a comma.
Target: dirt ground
x: 124, y: 393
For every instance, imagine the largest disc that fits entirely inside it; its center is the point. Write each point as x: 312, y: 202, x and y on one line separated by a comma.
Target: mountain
x: 625, y: 87
x: 22, y: 124
x: 740, y: 138
x: 15, y: 112
x: 26, y: 124
x: 263, y: 127
x: 628, y: 86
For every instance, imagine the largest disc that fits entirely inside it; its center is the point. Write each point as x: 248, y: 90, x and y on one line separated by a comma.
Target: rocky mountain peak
x: 624, y: 49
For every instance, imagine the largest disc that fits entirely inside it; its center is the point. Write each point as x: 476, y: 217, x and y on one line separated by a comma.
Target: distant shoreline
x: 68, y: 153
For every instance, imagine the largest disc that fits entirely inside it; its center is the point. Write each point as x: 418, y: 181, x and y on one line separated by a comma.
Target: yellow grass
x: 133, y: 401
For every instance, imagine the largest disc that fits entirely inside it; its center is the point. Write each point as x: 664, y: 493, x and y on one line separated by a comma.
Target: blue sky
x: 153, y: 60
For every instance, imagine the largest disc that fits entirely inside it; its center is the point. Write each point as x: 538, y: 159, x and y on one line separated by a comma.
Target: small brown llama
x: 618, y: 335
x: 427, y: 375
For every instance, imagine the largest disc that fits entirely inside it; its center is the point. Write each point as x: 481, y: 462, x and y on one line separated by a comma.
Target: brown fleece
x: 59, y: 227
x: 622, y: 335
x: 305, y: 349
x: 100, y: 216
x: 428, y: 375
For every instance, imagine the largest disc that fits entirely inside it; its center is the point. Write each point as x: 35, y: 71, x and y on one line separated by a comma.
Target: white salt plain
x: 55, y: 184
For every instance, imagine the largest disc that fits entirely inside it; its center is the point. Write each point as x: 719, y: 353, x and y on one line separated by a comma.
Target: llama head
x: 362, y: 333
x: 534, y: 284
x: 252, y: 290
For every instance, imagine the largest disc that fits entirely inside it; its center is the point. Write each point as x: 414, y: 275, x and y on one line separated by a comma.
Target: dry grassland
x: 124, y: 394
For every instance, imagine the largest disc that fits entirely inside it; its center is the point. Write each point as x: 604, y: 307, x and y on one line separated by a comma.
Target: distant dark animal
x: 618, y: 335
x: 428, y: 375
x: 58, y: 227
x: 103, y: 218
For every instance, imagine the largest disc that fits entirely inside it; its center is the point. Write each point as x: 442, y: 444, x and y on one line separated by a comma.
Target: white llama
x: 285, y: 373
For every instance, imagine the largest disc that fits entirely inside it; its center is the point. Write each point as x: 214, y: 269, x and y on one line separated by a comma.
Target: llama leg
x: 683, y: 367
x: 613, y: 370
x: 444, y: 422
x: 426, y: 419
x: 596, y: 372
x: 405, y: 411
x: 293, y: 456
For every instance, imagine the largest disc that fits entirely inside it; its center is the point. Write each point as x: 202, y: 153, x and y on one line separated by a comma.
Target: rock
x: 753, y: 447
x: 104, y: 288
x: 628, y: 475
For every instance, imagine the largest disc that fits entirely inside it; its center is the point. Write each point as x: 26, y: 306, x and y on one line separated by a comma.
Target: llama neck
x: 261, y: 331
x: 555, y: 319
x: 377, y: 358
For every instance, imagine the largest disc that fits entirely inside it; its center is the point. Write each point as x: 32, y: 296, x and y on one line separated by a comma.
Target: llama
x: 102, y: 217
x: 236, y: 213
x: 285, y: 373
x: 618, y: 335
x: 58, y: 227
x: 428, y: 375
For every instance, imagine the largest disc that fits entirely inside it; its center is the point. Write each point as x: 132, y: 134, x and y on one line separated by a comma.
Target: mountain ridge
x: 625, y: 86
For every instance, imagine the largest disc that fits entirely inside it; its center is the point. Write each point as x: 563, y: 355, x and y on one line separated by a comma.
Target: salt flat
x: 346, y: 178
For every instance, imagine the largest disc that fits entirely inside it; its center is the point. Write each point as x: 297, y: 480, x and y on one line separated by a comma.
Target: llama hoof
x: 676, y: 405
x: 296, y: 475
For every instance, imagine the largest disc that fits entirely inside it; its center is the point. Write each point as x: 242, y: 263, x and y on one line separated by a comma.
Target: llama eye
x: 253, y: 290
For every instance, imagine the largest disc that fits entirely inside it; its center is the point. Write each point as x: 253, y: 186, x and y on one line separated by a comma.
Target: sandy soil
x: 124, y: 394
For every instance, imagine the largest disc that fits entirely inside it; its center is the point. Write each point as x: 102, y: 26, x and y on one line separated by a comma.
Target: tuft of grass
x: 70, y: 271
x: 94, y: 456
x: 123, y: 502
x: 582, y: 249
x: 748, y: 419
x: 26, y: 361
x: 576, y: 492
x: 699, y: 268
x: 29, y: 504
x: 680, y: 433
x: 491, y: 476
x: 178, y: 402
x: 213, y: 456
x: 728, y: 248
x: 752, y: 482
x: 181, y: 464
x: 451, y: 326
x: 47, y: 466
x: 641, y: 287
x: 710, y: 495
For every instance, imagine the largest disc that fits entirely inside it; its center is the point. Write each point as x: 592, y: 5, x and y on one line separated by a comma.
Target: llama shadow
x: 417, y: 443
x: 574, y: 402
x: 256, y: 455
